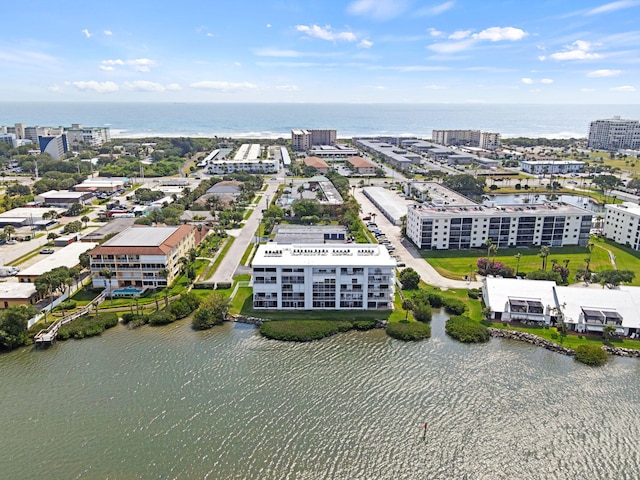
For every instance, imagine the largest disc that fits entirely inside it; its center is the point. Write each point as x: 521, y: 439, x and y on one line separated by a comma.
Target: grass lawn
x: 572, y: 340
x: 456, y: 264
x: 474, y: 307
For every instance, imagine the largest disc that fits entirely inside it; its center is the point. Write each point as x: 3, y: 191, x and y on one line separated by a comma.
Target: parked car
x: 47, y: 251
x: 12, y: 242
x: 401, y: 264
x: 368, y: 217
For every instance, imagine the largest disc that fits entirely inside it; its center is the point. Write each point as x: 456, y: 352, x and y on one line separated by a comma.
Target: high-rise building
x: 303, y: 140
x: 614, y: 133
x: 469, y: 138
x: 79, y: 136
x: 56, y: 146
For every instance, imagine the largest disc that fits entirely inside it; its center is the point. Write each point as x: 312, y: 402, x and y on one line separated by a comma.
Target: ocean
x: 273, y: 120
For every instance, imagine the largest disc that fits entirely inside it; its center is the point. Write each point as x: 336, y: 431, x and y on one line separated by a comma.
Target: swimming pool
x: 126, y: 292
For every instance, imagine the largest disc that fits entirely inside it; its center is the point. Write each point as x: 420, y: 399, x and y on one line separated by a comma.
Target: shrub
x: 180, y: 309
x: 212, y: 311
x: 223, y: 285
x: 302, y: 330
x: 454, y: 306
x: 161, y: 317
x: 473, y: 293
x: 409, y: 279
x: 68, y: 305
x: 465, y: 330
x: 421, y: 311
x: 87, y: 326
x: 128, y: 317
x: 591, y: 355
x: 364, y: 324
x: 408, y: 331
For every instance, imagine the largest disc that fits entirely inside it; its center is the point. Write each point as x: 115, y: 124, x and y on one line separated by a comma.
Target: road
x: 244, y: 236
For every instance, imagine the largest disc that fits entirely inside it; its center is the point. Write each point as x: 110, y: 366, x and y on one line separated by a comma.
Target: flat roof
x: 141, y: 237
x: 17, y: 290
x: 354, y: 254
x: 388, y: 201
x: 66, y: 257
x: 622, y: 302
x: 64, y: 194
x: 27, y: 212
x: 497, y: 292
x: 440, y: 195
x: 521, y: 210
x: 625, y: 207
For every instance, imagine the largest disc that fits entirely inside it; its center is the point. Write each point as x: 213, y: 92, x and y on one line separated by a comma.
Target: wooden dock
x: 47, y: 337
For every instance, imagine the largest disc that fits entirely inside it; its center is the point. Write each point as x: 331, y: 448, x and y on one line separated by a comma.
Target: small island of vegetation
x: 592, y: 355
x: 466, y: 330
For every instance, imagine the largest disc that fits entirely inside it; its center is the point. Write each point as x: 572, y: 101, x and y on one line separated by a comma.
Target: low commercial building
x: 63, y: 198
x: 361, y: 165
x: 142, y: 256
x: 622, y: 224
x: 561, y: 167
x: 102, y: 184
x: 68, y: 257
x: 323, y: 277
x: 398, y: 157
x: 582, y: 309
x: 28, y: 216
x: 462, y: 226
x: 115, y: 225
x: 13, y: 294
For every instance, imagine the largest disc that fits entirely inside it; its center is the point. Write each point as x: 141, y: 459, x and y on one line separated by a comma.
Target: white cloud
x: 147, y: 86
x: 287, y: 88
x: 326, y: 33
x: 87, y: 33
x: 587, y: 90
x: 613, y: 6
x: 460, y: 34
x: 108, y: 33
x: 435, y: 33
x: 435, y: 87
x: 210, y: 35
x: 55, y: 89
x: 223, y: 86
x: 497, y: 34
x: 273, y: 52
x: 436, y: 9
x: 464, y: 39
x: 548, y: 81
x: 138, y: 64
x: 526, y: 80
x: 623, y: 88
x: 578, y: 50
x: 92, y: 85
x: 604, y: 73
x: 365, y: 43
x: 378, y: 9
x: 174, y: 87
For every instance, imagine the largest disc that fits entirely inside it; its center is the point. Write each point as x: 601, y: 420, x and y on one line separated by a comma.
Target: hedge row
x: 88, y: 326
x: 408, y: 331
x: 303, y: 330
x: 464, y: 329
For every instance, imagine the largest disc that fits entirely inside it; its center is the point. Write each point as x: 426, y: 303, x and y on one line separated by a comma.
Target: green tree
x: 409, y: 278
x: 613, y: 278
x: 212, y: 311
x: 465, y: 184
x: 13, y: 325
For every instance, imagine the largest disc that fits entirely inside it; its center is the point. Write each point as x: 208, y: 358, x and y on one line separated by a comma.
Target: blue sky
x: 406, y: 51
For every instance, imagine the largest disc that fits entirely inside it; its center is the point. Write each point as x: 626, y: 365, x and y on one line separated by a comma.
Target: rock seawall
x: 245, y: 319
x: 554, y: 347
x: 532, y: 339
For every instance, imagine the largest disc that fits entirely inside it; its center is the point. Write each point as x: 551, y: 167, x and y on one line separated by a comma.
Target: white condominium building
x: 622, y: 224
x: 247, y: 159
x: 523, y: 225
x: 79, y: 136
x: 613, y: 134
x: 323, y: 277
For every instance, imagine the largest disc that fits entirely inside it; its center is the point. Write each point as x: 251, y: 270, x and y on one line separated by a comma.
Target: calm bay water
x: 263, y: 120
x: 228, y: 404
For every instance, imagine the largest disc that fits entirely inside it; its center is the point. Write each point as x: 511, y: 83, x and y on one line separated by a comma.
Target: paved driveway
x: 407, y: 252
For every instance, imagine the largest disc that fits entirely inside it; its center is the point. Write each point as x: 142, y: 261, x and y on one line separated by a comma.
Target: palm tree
x: 52, y: 236
x: 164, y: 273
x: 108, y: 274
x: 544, y: 254
x: 85, y: 220
x: 494, y: 251
x: 9, y: 230
x: 518, y: 256
x: 489, y: 244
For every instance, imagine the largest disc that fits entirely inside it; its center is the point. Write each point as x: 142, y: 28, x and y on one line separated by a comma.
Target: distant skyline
x: 363, y: 51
